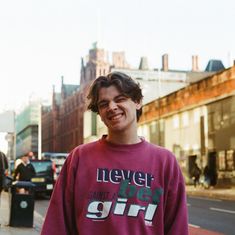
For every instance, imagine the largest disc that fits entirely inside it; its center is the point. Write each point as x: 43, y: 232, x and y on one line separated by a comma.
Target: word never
x: 116, y: 176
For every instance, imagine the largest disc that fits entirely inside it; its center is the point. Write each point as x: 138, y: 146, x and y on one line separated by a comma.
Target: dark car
x: 57, y: 158
x: 44, y: 179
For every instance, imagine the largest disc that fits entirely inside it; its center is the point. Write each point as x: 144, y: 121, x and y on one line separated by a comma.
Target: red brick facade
x: 214, y: 87
x: 62, y: 126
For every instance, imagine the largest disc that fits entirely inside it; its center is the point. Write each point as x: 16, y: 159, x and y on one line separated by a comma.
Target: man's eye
x: 121, y: 99
x: 102, y: 105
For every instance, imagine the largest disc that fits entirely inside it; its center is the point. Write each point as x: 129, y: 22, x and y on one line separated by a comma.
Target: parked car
x: 45, y: 177
x: 57, y: 158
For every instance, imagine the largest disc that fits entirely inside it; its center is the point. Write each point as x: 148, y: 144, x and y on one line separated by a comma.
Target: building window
x: 226, y: 160
x: 153, y: 132
x: 196, y: 116
x: 185, y: 119
x: 176, y: 121
x: 144, y: 131
x: 230, y: 160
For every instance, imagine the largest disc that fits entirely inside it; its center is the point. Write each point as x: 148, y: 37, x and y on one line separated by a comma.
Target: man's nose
x: 112, y: 105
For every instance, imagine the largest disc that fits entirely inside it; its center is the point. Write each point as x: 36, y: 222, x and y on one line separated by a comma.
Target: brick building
x: 197, y: 123
x: 62, y: 123
x: 183, y: 109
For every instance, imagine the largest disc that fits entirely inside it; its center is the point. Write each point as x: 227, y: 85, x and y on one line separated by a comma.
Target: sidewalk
x: 4, y: 220
x: 214, y: 193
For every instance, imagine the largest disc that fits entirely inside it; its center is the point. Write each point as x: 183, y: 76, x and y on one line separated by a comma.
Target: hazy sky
x: 40, y: 40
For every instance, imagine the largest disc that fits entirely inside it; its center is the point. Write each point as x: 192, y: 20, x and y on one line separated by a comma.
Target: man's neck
x: 123, y: 138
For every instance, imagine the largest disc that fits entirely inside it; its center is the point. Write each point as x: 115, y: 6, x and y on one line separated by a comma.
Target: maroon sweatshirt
x: 107, y: 189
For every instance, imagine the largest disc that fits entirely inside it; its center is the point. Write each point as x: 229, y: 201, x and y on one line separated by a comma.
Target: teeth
x: 116, y: 117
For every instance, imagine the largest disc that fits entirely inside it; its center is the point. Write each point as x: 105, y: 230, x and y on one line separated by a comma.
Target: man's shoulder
x: 159, y: 149
x: 20, y: 165
x: 161, y: 153
x: 2, y: 154
x: 82, y: 148
x: 87, y: 146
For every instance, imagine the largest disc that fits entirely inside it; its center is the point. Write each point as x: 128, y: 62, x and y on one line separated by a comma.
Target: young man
x: 120, y: 184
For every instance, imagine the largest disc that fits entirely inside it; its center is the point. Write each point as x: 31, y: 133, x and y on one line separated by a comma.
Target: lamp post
x: 159, y: 114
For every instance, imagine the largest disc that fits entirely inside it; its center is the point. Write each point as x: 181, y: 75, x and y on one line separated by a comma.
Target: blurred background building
x: 189, y: 112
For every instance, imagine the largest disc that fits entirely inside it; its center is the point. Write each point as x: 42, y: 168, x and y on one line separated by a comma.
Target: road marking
x: 194, y: 226
x: 222, y: 210
x: 207, y: 199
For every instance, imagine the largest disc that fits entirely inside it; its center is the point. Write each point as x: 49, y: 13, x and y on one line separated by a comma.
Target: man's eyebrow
x: 116, y: 97
x: 121, y: 95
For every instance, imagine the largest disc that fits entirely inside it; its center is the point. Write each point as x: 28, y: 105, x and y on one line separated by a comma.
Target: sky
x: 42, y: 40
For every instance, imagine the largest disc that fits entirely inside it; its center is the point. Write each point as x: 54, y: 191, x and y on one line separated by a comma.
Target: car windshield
x: 42, y: 166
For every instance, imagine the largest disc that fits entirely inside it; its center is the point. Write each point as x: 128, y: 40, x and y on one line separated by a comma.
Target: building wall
x: 221, y: 132
x: 67, y: 116
x: 199, y: 123
x: 27, y: 129
x: 70, y: 126
x: 184, y: 130
x: 199, y: 93
x: 47, y: 132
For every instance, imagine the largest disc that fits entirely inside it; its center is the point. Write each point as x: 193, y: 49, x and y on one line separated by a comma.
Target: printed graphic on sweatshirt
x: 131, y: 185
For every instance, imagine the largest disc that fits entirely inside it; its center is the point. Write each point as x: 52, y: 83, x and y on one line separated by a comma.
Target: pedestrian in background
x: 31, y: 155
x: 213, y: 177
x: 17, y: 162
x: 196, y: 172
x: 119, y: 184
x: 24, y: 171
x: 207, y: 177
x: 3, y: 170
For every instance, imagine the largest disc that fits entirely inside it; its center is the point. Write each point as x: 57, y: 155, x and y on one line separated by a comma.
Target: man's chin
x: 116, y: 128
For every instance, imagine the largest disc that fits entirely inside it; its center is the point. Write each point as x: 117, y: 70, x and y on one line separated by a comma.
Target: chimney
x: 165, y: 62
x: 195, y: 63
x: 143, y: 63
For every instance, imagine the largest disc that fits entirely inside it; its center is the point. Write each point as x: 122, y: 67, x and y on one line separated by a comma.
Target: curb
x: 214, y: 194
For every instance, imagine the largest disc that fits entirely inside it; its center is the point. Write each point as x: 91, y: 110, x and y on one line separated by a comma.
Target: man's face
x: 25, y: 159
x: 30, y: 154
x: 117, y: 111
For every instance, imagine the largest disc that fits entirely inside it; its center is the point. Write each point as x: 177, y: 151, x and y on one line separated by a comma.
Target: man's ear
x: 138, y: 105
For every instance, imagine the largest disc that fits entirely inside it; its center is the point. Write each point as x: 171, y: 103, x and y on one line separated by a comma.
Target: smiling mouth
x: 116, y: 117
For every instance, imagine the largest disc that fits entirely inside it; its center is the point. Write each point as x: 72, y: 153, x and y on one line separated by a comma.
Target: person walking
x: 119, y: 184
x: 207, y: 177
x: 31, y: 155
x: 196, y: 172
x: 3, y: 170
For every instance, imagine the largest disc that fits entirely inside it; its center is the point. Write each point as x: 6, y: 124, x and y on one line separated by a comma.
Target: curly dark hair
x: 125, y: 84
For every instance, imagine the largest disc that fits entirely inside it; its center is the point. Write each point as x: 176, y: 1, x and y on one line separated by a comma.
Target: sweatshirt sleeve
x: 60, y: 217
x: 175, y: 212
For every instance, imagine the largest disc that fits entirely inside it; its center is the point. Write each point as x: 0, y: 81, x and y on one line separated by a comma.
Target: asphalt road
x: 212, y: 214
x: 205, y: 215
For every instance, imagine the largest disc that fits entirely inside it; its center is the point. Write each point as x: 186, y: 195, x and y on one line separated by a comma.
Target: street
x: 204, y: 214
x: 212, y: 214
